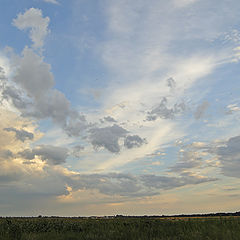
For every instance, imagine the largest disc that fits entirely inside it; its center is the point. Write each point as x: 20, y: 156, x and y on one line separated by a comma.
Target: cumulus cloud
x: 51, y: 154
x: 133, y: 141
x: 107, y: 137
x: 33, y: 74
x: 34, y: 95
x: 33, y: 19
x: 201, y: 109
x: 162, y: 110
x: 35, y: 79
x: 21, y: 135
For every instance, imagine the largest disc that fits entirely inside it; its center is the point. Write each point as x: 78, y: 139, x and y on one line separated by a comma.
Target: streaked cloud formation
x: 119, y: 103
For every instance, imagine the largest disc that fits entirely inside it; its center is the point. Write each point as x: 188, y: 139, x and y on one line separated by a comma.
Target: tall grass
x: 120, y: 228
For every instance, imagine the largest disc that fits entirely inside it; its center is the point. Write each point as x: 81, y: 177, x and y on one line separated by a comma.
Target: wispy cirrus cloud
x: 51, y: 1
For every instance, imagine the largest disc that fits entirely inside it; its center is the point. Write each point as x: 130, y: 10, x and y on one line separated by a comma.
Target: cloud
x: 171, y: 83
x: 51, y: 154
x: 12, y: 169
x: 21, y: 135
x: 132, y: 185
x: 33, y: 19
x: 183, y: 3
x: 229, y: 156
x: 5, y: 154
x: 226, y: 156
x: 109, y: 119
x: 201, y: 109
x: 15, y: 96
x: 77, y: 151
x: 162, y: 111
x: 163, y: 182
x: 2, y: 74
x: 107, y: 137
x: 188, y: 160
x: 231, y: 108
x: 33, y: 74
x: 35, y: 80
x: 34, y: 96
x: 109, y: 184
x: 51, y: 1
x: 133, y: 141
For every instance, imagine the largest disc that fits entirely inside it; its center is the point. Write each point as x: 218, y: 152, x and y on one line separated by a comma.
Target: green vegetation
x: 120, y: 228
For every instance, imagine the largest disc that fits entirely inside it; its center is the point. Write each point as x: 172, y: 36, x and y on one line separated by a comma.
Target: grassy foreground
x: 120, y: 228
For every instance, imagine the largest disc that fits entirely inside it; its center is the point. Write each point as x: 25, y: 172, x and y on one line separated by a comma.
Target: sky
x: 119, y: 107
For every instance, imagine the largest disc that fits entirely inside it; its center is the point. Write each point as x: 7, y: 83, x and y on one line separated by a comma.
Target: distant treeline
x: 222, y: 214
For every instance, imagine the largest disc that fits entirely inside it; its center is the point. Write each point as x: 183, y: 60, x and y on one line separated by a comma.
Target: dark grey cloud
x: 75, y: 124
x: 227, y: 153
x: 201, y: 109
x: 21, y: 135
x: 107, y: 137
x: 8, y: 177
x: 51, y: 154
x: 109, y: 119
x: 130, y: 185
x: 164, y: 112
x: 171, y: 83
x: 133, y: 141
x: 10, y: 93
x: 229, y: 156
x: 15, y: 96
x: 2, y: 74
x: 163, y: 182
x: 110, y: 184
x: 6, y: 154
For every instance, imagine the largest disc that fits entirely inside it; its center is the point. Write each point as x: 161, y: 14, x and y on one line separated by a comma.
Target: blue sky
x: 119, y: 107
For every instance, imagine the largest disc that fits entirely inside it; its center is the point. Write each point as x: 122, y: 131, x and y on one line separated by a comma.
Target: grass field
x: 203, y: 228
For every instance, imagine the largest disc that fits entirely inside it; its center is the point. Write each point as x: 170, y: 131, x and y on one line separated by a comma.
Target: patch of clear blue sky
x: 72, y: 50
x: 77, y: 30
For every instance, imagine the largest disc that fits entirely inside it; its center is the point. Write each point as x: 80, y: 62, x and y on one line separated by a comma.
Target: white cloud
x: 51, y: 1
x: 5, y: 65
x: 33, y: 19
x: 183, y: 3
x: 233, y: 108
